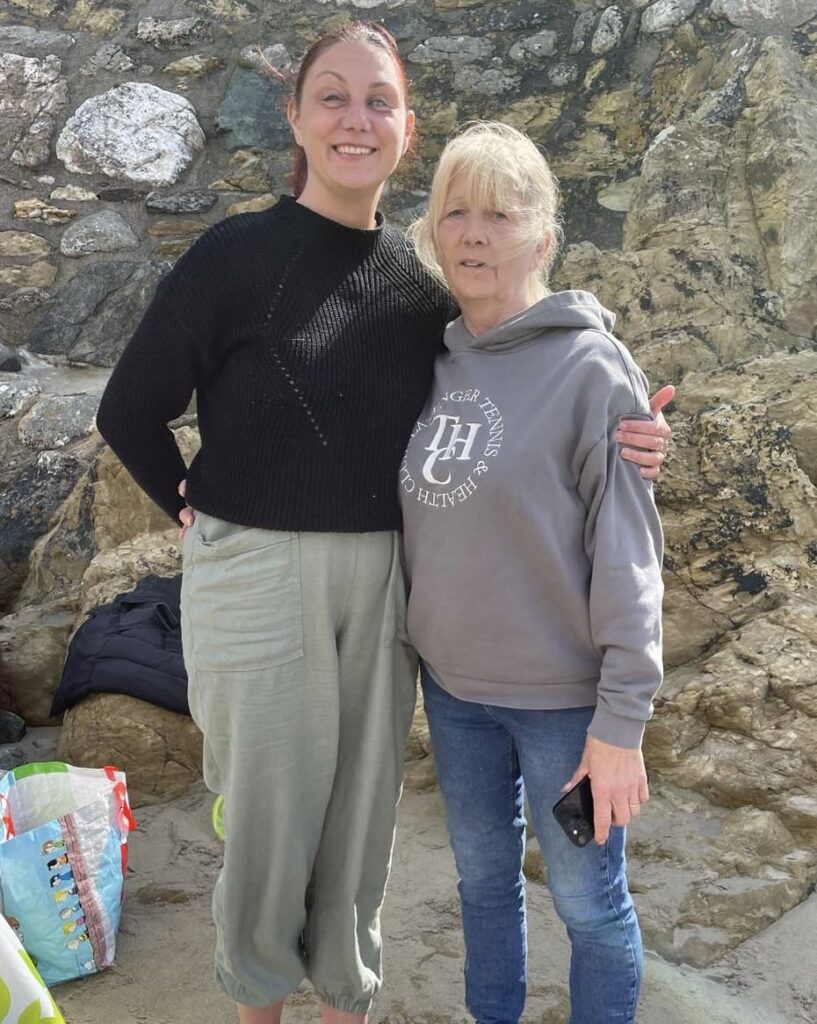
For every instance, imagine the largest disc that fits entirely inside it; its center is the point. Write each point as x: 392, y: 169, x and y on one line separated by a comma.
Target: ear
x: 292, y: 117
x: 543, y: 249
x: 410, y: 122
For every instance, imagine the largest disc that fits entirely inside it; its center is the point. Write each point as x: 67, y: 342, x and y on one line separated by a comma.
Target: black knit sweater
x: 310, y: 346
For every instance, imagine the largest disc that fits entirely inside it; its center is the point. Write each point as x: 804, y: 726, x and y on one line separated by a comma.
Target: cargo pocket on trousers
x: 245, y: 597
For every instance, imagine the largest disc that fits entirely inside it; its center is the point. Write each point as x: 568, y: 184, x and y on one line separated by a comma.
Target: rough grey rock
x: 581, y: 31
x: 23, y: 301
x: 173, y: 33
x: 454, y: 49
x: 666, y: 15
x: 105, y: 538
x: 253, y: 112
x: 32, y: 93
x: 724, y: 105
x: 104, y: 231
x: 56, y: 420
x: 32, y: 491
x: 765, y: 14
x: 32, y: 646
x: 194, y: 201
x: 16, y: 394
x: 706, y: 878
x: 96, y: 312
x: 29, y: 41
x: 9, y: 360
x: 260, y: 58
x: 11, y: 757
x: 543, y: 44
x: 490, y: 82
x: 562, y: 73
x: 12, y: 727
x: 136, y: 131
x: 109, y: 57
x: 609, y: 31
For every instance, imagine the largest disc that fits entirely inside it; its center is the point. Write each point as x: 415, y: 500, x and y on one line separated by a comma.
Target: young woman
x: 535, y: 574
x: 308, y: 333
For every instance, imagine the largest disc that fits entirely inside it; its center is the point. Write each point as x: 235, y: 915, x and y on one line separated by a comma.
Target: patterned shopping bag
x: 63, y: 856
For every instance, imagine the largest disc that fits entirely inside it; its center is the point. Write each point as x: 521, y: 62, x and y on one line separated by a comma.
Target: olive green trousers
x: 303, y: 685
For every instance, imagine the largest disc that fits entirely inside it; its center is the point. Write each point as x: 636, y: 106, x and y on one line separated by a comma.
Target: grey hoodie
x: 534, y: 550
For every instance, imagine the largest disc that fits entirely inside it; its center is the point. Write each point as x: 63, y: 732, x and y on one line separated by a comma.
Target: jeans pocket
x: 244, y: 597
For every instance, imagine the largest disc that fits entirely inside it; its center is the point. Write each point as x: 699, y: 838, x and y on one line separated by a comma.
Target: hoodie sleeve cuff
x: 616, y: 730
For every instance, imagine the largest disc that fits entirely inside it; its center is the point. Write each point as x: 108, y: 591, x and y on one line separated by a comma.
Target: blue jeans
x: 483, y: 753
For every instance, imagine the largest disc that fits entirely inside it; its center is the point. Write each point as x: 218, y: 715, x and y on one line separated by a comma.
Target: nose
x: 473, y: 230
x: 357, y: 117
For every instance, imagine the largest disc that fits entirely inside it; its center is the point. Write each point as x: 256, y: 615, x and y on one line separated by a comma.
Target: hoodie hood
x: 572, y: 309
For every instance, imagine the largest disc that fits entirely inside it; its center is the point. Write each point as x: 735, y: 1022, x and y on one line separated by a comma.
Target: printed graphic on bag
x: 63, y: 855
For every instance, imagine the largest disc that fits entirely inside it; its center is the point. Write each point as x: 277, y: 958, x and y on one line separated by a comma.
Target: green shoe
x: 218, y: 817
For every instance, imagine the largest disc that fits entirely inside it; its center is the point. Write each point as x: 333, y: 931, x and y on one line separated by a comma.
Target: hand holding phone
x: 574, y: 812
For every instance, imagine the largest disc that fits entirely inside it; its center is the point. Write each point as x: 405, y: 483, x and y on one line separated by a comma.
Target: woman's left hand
x: 187, y: 515
x: 647, y: 441
x: 618, y: 779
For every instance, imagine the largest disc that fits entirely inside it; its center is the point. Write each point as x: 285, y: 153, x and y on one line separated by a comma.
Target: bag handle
x: 5, y: 816
x: 124, y: 817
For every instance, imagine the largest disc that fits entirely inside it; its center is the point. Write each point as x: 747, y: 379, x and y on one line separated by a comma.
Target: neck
x: 351, y: 210
x: 481, y: 315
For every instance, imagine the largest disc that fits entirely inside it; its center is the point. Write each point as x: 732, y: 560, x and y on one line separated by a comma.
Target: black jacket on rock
x: 133, y: 646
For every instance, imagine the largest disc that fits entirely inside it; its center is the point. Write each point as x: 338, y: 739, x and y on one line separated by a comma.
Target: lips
x: 348, y: 150
x: 471, y: 263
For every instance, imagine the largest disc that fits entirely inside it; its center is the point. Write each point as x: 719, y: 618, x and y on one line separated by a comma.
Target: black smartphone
x: 574, y: 812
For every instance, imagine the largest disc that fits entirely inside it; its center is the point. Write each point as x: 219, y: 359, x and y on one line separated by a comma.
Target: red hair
x: 369, y: 32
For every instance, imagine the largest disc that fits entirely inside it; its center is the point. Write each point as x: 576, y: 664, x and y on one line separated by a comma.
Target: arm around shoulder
x: 624, y: 543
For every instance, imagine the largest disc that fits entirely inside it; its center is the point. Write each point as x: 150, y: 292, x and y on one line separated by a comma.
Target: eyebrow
x: 373, y: 85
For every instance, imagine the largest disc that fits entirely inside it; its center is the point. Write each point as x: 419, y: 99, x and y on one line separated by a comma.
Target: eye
x: 332, y: 97
x: 456, y: 212
x: 498, y: 215
x: 381, y: 102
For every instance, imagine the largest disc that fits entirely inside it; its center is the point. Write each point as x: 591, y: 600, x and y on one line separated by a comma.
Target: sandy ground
x: 163, y: 975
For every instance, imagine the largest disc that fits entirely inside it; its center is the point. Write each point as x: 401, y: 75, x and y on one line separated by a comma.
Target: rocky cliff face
x: 685, y: 138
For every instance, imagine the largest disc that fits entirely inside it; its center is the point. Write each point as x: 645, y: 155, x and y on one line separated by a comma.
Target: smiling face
x: 487, y: 258
x: 353, y: 124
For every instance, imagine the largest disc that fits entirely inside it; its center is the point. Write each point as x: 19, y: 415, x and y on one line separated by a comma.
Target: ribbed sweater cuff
x: 615, y: 729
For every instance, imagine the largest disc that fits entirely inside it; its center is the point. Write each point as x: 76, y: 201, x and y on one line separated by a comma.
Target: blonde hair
x: 503, y: 170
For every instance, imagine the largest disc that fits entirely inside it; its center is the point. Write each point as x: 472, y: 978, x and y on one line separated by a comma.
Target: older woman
x: 535, y: 579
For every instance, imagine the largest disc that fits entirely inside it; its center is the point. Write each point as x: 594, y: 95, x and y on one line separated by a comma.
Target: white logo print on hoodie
x: 458, y: 444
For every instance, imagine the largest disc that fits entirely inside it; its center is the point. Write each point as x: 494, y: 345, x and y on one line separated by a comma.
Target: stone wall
x: 685, y: 138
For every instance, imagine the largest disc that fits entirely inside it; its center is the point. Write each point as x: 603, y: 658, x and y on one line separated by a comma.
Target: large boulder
x: 33, y: 91
x: 253, y: 112
x: 765, y: 15
x: 95, y: 314
x: 46, y: 443
x: 159, y: 750
x: 103, y: 538
x: 135, y: 131
x: 739, y: 725
x: 33, y: 643
x: 105, y: 509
